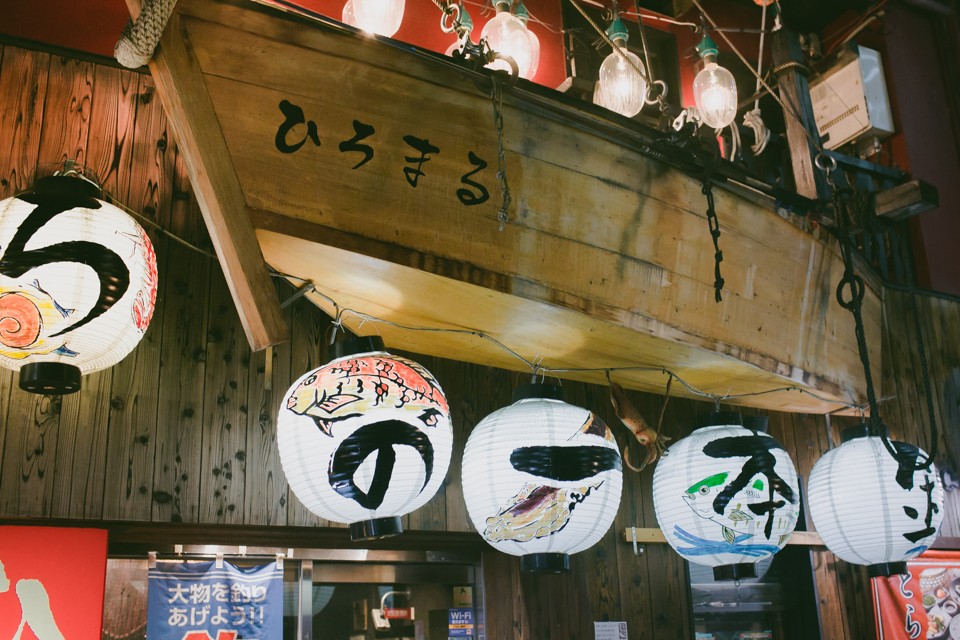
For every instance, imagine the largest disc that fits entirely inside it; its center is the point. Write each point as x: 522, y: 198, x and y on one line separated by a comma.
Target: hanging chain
x: 849, y: 204
x: 714, y: 224
x: 497, y: 97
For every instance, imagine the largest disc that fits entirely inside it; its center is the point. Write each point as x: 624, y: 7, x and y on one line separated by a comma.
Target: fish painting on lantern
x: 536, y: 512
x: 338, y: 393
x: 30, y: 320
x: 701, y: 496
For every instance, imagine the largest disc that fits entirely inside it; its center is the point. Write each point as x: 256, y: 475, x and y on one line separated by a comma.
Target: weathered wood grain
x: 459, y: 383
x: 23, y: 90
x: 176, y: 478
x: 30, y: 450
x: 66, y: 115
x: 152, y: 167
x: 112, y: 116
x: 6, y: 382
x: 223, y: 461
x: 433, y: 515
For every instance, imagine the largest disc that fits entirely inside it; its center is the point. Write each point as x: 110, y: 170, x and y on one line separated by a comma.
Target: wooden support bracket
x: 187, y: 104
x: 907, y: 200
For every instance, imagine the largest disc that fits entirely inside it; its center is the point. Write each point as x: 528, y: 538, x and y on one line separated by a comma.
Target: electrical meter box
x: 850, y: 101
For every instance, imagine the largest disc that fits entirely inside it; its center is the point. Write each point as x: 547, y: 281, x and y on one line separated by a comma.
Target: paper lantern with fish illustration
x: 542, y: 478
x: 365, y: 438
x: 726, y: 496
x: 78, y: 282
x: 868, y: 509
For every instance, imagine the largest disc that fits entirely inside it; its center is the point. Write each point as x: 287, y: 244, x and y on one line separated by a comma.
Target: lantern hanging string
x: 536, y: 366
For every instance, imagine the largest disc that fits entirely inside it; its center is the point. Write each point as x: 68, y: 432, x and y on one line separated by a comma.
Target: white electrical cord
x: 752, y: 119
x: 690, y: 114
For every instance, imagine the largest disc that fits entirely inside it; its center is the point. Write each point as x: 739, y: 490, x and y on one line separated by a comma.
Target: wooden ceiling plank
x: 187, y: 104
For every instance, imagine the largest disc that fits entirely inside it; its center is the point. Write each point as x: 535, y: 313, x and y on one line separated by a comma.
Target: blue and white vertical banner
x: 198, y: 601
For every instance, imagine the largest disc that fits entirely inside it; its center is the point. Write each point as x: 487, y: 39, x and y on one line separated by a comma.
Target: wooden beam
x: 795, y: 92
x: 907, y: 200
x: 187, y: 105
x: 650, y: 535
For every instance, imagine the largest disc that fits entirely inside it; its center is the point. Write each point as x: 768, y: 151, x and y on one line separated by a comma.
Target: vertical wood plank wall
x: 184, y: 429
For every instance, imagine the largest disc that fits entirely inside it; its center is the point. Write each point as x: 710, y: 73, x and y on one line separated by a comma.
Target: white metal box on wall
x: 850, y: 101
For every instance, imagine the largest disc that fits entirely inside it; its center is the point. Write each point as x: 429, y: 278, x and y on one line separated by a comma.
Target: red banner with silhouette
x: 52, y: 582
x: 924, y: 603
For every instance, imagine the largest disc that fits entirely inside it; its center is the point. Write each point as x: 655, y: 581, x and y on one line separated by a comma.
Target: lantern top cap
x: 719, y: 419
x: 862, y: 430
x: 539, y: 391
x: 521, y: 13
x: 65, y: 186
x: 356, y: 346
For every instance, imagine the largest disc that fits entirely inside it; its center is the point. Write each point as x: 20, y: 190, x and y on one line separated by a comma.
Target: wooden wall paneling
x: 909, y: 396
x: 66, y: 114
x: 499, y: 598
x: 6, y: 382
x: 80, y: 471
x: 459, y: 383
x: 857, y: 594
x: 27, y: 477
x: 153, y: 162
x: 23, y: 90
x: 308, y: 333
x: 267, y: 493
x: 176, y: 482
x: 433, y: 515
x: 223, y: 467
x: 112, y: 116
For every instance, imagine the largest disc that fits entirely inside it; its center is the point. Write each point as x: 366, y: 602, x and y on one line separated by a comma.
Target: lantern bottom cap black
x: 50, y: 378
x: 376, y: 529
x: 885, y: 569
x: 545, y: 563
x: 727, y: 572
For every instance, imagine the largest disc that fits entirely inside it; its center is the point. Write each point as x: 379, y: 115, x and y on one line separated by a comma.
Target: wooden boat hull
x: 605, y: 260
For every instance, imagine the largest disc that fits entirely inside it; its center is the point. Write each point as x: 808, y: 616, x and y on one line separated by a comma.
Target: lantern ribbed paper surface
x: 365, y: 439
x: 541, y: 477
x: 726, y: 496
x: 867, y: 510
x: 78, y: 282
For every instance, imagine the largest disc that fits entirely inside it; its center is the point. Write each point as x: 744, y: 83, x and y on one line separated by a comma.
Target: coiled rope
x: 140, y: 37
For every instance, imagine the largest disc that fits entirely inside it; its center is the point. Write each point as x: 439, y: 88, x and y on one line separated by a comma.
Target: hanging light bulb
x: 466, y: 22
x: 726, y: 496
x: 365, y: 439
x: 506, y: 35
x: 521, y: 13
x: 620, y: 88
x: 382, y: 17
x: 541, y: 478
x: 78, y: 282
x: 870, y: 508
x: 349, y: 17
x: 714, y: 89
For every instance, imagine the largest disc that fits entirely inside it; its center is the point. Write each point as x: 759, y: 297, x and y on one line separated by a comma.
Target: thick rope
x: 761, y: 135
x: 139, y: 38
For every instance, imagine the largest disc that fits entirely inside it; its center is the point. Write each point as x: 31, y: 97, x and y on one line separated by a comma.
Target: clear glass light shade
x: 382, y: 17
x: 621, y: 88
x: 506, y: 34
x: 715, y: 92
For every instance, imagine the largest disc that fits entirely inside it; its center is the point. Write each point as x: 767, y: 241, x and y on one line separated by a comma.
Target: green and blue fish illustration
x: 701, y: 498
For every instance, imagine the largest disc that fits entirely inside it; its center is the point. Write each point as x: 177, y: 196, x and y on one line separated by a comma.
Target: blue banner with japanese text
x: 198, y: 601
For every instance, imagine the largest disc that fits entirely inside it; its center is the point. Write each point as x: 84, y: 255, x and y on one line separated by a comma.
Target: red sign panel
x: 398, y: 614
x: 52, y: 582
x: 924, y: 603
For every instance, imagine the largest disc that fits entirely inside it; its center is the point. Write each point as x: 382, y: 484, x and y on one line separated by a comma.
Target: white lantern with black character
x: 726, y: 496
x: 365, y: 438
x: 872, y: 509
x: 78, y: 283
x: 542, y: 478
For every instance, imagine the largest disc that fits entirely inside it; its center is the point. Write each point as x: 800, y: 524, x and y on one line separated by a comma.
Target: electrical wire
x: 535, y: 365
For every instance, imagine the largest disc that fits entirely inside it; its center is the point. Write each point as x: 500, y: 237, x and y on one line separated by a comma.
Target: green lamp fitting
x: 618, y: 31
x: 465, y: 20
x: 520, y: 12
x: 708, y: 49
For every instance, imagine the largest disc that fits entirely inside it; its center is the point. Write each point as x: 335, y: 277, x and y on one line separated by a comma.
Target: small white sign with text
x: 610, y: 630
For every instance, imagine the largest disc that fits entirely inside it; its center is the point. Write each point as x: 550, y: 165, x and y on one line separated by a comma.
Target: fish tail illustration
x: 729, y: 535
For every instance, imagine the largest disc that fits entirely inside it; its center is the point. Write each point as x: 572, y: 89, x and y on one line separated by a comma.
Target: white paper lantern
x: 365, y: 438
x: 542, y: 478
x: 867, y: 510
x: 78, y: 283
x: 726, y: 496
